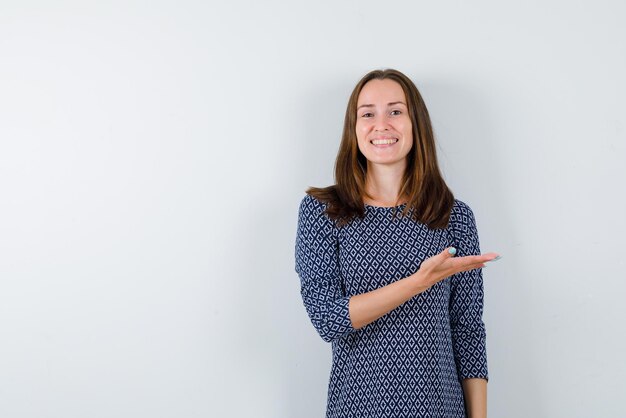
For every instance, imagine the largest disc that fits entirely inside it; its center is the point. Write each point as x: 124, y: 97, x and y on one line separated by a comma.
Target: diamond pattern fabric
x: 410, y: 362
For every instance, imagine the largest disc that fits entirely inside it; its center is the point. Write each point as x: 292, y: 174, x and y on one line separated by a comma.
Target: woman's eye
x: 367, y: 115
x: 396, y: 112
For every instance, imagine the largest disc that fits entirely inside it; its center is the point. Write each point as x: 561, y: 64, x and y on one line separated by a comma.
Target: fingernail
x: 452, y: 250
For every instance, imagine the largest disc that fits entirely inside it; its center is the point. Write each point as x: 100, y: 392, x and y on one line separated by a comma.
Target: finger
x: 481, y: 258
x: 478, y: 258
x: 476, y: 266
x: 490, y: 256
x: 449, y: 252
x: 468, y: 266
x: 494, y: 259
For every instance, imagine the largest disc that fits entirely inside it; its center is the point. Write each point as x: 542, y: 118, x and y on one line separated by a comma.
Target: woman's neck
x: 383, y: 183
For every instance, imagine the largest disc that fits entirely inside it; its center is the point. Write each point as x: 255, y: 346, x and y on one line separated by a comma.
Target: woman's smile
x: 383, y: 142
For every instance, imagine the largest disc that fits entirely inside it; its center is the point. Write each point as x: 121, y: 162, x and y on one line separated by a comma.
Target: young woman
x: 390, y: 267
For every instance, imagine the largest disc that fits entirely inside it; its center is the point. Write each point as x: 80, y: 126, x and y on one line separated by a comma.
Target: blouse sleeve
x: 466, y: 301
x: 317, y: 264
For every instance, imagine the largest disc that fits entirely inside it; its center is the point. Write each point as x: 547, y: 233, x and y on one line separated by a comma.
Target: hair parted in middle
x: 428, y: 197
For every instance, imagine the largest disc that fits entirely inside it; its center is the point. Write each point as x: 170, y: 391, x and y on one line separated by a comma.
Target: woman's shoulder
x: 461, y: 214
x: 460, y: 207
x: 313, y: 221
x: 318, y: 199
x: 462, y: 218
x: 311, y: 204
x: 313, y: 208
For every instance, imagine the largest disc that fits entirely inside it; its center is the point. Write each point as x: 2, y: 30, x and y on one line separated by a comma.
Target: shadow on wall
x: 306, y: 366
x: 470, y: 141
x: 286, y: 360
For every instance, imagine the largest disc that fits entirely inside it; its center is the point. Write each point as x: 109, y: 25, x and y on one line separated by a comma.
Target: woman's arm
x: 475, y: 391
x: 368, y: 307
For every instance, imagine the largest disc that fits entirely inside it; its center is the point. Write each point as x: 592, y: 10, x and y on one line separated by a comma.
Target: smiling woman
x: 403, y: 313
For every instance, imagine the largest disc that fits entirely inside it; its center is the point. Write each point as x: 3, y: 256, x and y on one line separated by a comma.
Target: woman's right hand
x: 444, y: 264
x: 368, y: 307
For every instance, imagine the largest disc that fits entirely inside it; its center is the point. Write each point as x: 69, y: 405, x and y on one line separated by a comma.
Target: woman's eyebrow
x: 388, y: 104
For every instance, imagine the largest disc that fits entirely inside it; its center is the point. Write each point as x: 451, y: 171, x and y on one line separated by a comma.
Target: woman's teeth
x: 384, y: 141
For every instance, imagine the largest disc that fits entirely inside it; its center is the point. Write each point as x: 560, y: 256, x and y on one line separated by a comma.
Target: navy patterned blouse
x: 410, y: 362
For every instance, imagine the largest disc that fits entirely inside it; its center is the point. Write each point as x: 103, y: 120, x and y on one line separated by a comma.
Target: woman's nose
x: 381, y: 123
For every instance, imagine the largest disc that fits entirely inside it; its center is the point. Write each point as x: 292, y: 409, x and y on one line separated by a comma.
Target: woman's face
x: 383, y: 126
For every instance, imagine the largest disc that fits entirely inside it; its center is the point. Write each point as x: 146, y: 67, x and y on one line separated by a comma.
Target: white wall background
x: 153, y: 156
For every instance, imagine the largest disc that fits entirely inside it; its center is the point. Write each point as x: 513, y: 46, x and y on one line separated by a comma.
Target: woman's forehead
x: 381, y: 92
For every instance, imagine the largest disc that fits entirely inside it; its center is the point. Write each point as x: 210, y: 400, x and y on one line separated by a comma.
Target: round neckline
x: 385, y: 207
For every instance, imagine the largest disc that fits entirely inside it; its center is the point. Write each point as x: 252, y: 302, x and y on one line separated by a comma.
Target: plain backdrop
x: 153, y: 155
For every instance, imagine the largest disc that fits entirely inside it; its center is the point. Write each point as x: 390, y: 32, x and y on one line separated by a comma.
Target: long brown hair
x: 429, y: 197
